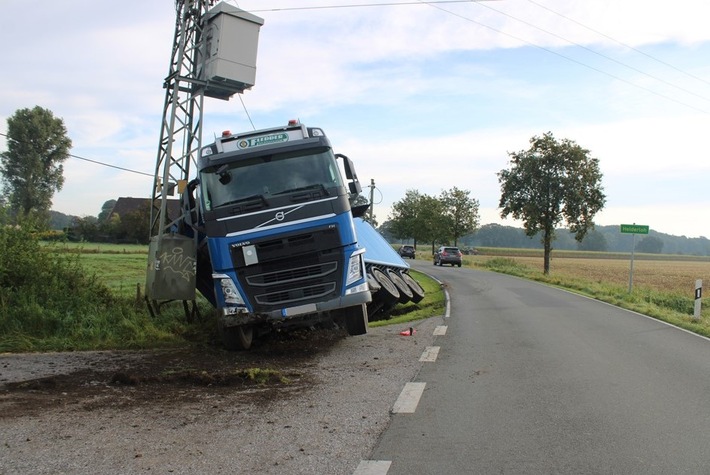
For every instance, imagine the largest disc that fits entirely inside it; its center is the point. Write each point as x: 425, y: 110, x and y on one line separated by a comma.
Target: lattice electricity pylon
x: 181, y: 132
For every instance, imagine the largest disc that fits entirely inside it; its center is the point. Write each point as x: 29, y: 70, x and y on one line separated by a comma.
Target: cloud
x: 420, y: 96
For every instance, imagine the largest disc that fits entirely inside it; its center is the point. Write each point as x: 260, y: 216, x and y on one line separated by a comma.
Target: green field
x: 121, y: 267
x: 663, y: 285
x: 123, y: 270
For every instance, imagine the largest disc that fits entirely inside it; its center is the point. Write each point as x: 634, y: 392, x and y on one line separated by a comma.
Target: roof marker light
x: 293, y: 122
x: 226, y: 133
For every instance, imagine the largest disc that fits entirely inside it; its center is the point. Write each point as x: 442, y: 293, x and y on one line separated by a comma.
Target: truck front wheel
x: 236, y: 338
x: 354, y: 319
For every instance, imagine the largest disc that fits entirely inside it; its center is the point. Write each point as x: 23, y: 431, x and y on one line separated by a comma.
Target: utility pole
x: 205, y: 40
x: 172, y: 259
x: 372, y: 196
x: 181, y: 131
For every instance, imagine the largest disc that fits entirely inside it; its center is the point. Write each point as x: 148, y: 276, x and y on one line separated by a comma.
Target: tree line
x: 601, y: 238
x: 553, y: 182
x: 31, y: 171
x: 130, y: 227
x: 436, y: 220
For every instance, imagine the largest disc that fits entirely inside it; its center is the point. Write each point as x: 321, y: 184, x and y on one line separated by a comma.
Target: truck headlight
x: 355, y: 267
x: 229, y: 290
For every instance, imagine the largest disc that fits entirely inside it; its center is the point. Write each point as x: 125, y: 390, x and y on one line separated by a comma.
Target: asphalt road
x: 530, y: 379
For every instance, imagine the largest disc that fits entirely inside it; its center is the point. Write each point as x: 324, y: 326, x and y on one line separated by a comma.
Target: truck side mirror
x: 350, y: 174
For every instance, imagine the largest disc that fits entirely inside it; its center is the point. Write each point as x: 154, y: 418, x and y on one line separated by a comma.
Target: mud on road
x: 311, y: 402
x: 34, y: 383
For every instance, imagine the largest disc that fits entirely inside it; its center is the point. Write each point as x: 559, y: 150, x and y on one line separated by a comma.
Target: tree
x: 594, y: 241
x: 85, y: 229
x: 461, y: 211
x: 32, y: 165
x: 432, y: 224
x: 419, y: 217
x: 551, y: 182
x: 650, y: 244
x: 404, y: 216
x: 106, y: 209
x: 134, y: 226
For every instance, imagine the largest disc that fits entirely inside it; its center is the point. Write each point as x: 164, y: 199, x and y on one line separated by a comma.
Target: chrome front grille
x: 295, y: 296
x: 287, y: 276
x: 292, y: 269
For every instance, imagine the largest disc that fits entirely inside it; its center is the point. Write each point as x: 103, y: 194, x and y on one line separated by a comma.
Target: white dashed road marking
x: 408, y: 398
x: 430, y: 354
x: 373, y: 467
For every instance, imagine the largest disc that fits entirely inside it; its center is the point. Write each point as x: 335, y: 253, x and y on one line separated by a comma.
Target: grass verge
x: 433, y: 303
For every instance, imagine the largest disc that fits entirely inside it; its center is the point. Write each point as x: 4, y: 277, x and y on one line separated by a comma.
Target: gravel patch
x: 186, y: 412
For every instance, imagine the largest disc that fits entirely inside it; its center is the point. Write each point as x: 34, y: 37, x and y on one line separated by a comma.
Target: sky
x: 422, y: 96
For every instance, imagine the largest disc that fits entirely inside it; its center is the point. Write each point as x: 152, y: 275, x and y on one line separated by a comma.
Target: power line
x: 246, y: 111
x: 111, y: 166
x: 435, y: 3
x: 620, y: 43
x: 96, y: 161
x: 548, y: 50
x: 598, y: 53
x: 359, y: 5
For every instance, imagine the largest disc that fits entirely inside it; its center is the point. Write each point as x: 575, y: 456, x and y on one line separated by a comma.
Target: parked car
x: 448, y: 255
x: 407, y: 251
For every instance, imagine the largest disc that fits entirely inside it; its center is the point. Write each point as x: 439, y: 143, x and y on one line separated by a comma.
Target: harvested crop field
x: 659, y: 275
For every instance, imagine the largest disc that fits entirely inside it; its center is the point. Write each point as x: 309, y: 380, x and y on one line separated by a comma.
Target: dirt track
x: 196, y: 411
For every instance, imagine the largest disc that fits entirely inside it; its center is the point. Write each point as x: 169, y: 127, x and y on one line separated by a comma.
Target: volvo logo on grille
x: 280, y: 216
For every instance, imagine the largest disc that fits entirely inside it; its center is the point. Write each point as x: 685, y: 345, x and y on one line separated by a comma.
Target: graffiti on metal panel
x: 178, y: 263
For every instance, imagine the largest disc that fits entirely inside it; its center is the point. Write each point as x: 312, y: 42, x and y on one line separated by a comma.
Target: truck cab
x: 276, y: 240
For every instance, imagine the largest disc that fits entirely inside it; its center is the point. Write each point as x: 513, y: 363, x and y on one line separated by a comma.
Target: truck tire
x: 417, y: 291
x: 237, y: 338
x: 405, y: 293
x: 373, y: 284
x: 353, y: 319
x: 388, y: 293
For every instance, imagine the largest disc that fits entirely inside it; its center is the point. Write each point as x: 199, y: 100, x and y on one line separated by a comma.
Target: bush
x: 49, y: 302
x: 40, y: 288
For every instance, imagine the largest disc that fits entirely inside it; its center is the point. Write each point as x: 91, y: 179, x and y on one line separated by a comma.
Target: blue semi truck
x: 280, y: 240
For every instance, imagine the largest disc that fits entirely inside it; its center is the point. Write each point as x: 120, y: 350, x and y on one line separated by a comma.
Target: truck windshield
x: 262, y: 177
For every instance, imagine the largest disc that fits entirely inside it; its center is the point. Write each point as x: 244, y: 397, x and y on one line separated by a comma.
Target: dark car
x: 407, y: 251
x: 448, y: 255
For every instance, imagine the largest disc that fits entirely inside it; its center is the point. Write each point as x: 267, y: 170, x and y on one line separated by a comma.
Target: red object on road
x: 409, y: 332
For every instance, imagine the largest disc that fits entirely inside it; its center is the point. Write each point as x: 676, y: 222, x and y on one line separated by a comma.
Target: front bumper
x: 234, y: 316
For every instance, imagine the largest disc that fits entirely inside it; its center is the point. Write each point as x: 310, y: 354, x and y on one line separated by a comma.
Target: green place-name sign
x: 634, y: 229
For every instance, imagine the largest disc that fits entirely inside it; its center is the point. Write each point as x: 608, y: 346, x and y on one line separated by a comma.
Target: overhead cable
x: 625, y: 45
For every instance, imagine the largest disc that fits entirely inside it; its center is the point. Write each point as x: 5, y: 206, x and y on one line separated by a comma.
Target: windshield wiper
x: 318, y: 186
x: 255, y: 197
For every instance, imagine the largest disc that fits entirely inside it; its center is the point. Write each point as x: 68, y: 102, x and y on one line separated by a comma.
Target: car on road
x: 407, y: 251
x: 448, y: 255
